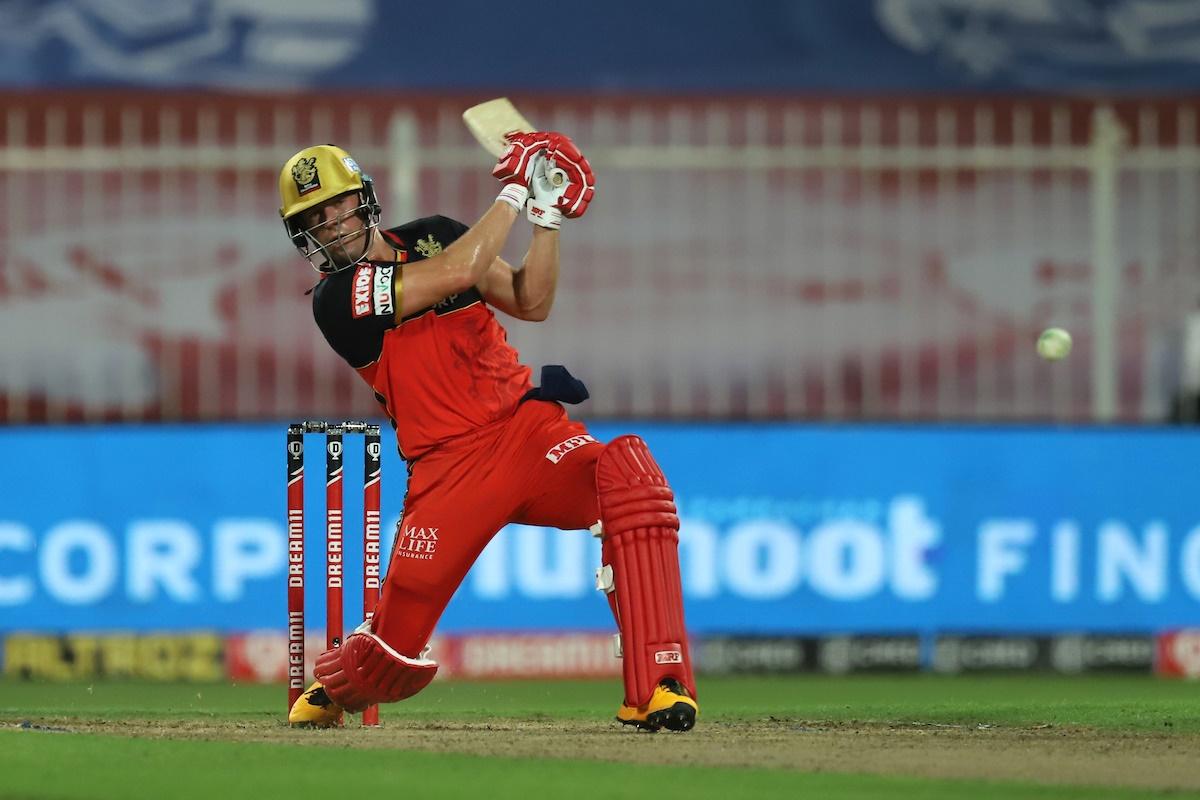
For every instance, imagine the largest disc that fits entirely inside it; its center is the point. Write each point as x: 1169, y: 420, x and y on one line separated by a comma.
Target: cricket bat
x: 490, y: 122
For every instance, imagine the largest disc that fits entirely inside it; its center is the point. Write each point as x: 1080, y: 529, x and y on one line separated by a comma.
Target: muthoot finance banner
x: 785, y: 529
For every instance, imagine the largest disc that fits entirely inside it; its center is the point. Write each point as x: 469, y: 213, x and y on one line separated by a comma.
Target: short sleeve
x: 451, y: 228
x: 355, y: 308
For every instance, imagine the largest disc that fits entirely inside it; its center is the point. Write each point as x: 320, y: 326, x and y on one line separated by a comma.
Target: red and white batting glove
x: 571, y: 175
x: 543, y: 195
x: 515, y: 167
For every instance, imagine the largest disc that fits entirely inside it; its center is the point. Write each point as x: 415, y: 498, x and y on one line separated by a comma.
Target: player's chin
x: 354, y: 245
x: 347, y: 253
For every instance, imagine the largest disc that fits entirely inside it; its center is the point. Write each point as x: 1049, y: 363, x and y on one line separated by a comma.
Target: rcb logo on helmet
x: 304, y: 173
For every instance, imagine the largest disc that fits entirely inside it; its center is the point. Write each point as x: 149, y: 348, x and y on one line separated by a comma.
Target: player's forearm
x: 535, y: 284
x: 469, y: 257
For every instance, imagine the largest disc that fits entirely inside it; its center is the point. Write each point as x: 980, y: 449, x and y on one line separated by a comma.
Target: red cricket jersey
x: 442, y: 371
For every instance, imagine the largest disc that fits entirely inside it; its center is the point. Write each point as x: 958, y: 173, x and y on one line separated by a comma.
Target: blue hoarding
x: 786, y: 528
x: 621, y: 45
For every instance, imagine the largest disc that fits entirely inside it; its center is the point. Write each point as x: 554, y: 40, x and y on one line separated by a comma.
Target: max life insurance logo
x: 414, y: 542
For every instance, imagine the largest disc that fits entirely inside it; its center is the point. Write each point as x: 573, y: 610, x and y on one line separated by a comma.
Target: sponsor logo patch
x: 668, y: 657
x: 304, y: 173
x: 384, y: 304
x: 360, y: 300
x: 555, y: 454
x: 351, y: 164
x: 415, y: 542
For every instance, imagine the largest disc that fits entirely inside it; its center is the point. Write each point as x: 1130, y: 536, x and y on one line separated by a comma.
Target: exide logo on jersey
x: 361, y: 304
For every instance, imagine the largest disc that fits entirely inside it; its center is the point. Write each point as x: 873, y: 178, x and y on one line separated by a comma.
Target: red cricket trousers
x: 537, y: 467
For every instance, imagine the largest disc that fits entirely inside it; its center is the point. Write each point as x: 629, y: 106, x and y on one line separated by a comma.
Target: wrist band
x: 515, y: 195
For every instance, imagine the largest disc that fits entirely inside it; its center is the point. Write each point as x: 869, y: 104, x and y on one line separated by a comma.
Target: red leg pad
x: 365, y: 671
x: 641, y: 544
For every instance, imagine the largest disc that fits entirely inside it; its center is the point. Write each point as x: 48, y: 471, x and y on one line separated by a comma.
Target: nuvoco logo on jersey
x: 383, y: 291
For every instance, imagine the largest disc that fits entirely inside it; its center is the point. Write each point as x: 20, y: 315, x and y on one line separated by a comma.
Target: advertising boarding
x: 787, y: 530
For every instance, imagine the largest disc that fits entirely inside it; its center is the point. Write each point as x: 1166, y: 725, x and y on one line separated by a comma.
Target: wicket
x: 372, y: 473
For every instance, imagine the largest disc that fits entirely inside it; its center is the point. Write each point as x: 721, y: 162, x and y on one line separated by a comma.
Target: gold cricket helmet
x: 313, y: 176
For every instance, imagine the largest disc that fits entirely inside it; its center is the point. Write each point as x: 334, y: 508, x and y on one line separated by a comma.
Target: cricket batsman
x: 412, y: 310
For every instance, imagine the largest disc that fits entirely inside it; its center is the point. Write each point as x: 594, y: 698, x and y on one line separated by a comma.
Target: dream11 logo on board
x: 231, y: 43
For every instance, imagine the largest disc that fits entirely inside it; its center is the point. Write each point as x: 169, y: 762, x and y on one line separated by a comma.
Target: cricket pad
x: 641, y: 546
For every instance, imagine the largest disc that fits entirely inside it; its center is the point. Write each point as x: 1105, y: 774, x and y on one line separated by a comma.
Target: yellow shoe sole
x: 679, y: 718
x: 666, y: 709
x: 307, y: 714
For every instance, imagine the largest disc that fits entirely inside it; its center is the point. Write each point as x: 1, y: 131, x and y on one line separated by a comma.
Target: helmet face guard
x: 315, y: 176
x: 325, y: 258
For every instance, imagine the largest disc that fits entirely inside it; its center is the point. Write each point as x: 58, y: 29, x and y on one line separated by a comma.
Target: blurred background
x: 826, y: 238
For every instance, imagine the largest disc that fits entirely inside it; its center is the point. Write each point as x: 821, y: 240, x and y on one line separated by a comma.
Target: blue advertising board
x: 621, y: 45
x: 785, y: 529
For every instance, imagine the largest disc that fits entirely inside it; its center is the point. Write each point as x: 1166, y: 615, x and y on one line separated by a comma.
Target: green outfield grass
x: 50, y: 757
x: 1136, y: 703
x: 105, y: 767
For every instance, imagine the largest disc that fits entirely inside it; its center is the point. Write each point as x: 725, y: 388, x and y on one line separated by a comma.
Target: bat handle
x: 557, y: 177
